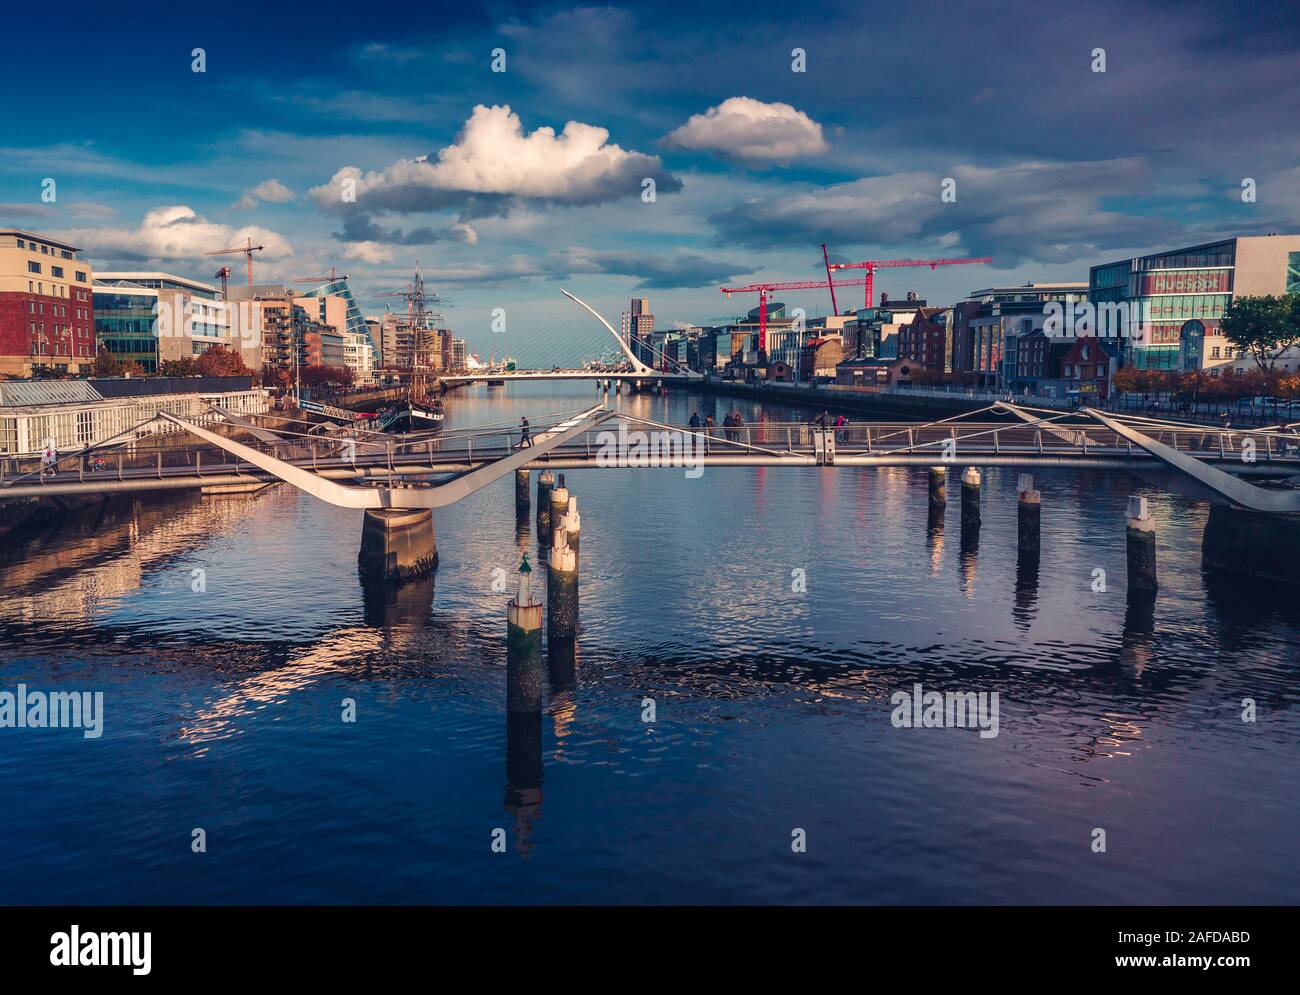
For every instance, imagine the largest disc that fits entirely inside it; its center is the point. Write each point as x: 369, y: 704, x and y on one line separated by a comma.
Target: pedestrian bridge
x: 653, y: 376
x: 361, y: 469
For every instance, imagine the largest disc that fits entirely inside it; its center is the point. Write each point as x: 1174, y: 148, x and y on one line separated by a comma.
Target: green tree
x: 1264, y: 326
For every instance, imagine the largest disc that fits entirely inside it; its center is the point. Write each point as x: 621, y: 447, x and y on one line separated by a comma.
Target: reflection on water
x: 224, y: 699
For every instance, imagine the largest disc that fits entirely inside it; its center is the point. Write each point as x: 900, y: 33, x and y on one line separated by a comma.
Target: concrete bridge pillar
x: 938, y: 487
x: 572, y: 524
x: 970, y: 498
x: 1252, y: 543
x: 524, y: 647
x: 545, y: 483
x: 397, y: 544
x: 562, y: 589
x: 522, y: 494
x: 1141, y: 540
x: 559, y: 499
x: 1028, y: 517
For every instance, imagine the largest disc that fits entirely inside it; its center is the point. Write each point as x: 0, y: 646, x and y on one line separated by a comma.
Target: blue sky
x: 1056, y: 166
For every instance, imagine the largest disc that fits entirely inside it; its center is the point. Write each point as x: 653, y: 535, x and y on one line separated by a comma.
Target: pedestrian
x: 695, y: 419
x: 524, y: 440
x: 709, y: 422
x: 49, y: 460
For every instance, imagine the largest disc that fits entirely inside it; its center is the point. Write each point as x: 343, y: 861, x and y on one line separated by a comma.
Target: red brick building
x: 47, y: 317
x: 924, y: 339
x: 1089, y: 365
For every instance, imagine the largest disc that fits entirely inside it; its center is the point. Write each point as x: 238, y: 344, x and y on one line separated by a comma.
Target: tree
x: 1264, y: 326
x: 1124, y: 380
x: 106, y: 364
x: 183, y: 367
x: 319, y: 376
x: 218, y: 361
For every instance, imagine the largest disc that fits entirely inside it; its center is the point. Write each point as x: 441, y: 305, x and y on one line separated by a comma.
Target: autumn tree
x: 183, y: 367
x: 106, y: 364
x: 218, y: 361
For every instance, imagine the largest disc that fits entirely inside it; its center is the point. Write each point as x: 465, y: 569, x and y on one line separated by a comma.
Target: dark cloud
x: 359, y: 227
x: 1040, y: 211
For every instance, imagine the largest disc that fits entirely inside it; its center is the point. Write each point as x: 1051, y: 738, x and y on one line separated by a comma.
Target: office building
x: 1180, y: 296
x: 46, y: 306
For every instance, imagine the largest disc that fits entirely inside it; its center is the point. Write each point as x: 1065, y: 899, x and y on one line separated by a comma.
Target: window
x: 66, y: 254
x: 45, y: 250
x: 1214, y: 352
x: 81, y: 277
x: 33, y: 267
x: 57, y: 271
x: 21, y: 244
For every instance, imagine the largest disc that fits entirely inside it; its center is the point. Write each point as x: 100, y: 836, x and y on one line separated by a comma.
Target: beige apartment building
x: 46, y: 308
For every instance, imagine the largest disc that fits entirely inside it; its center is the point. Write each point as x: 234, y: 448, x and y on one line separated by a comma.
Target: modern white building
x: 359, y: 357
x: 151, y: 317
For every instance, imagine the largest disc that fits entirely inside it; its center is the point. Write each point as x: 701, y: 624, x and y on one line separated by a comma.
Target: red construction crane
x: 224, y: 275
x: 247, y: 249
x: 830, y: 282
x: 763, y: 289
x: 871, y: 265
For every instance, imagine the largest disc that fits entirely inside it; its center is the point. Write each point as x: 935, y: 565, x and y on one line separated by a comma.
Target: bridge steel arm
x: 637, y: 365
x: 346, y: 496
x: 1233, y: 489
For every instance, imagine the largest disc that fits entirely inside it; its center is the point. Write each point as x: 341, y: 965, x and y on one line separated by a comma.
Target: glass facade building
x: 1166, y: 291
x: 356, y: 321
x: 124, y: 325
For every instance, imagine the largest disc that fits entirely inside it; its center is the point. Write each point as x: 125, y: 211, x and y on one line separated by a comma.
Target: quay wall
x: 863, y: 402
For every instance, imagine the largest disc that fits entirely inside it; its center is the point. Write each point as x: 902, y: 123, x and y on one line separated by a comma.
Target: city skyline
x: 507, y: 184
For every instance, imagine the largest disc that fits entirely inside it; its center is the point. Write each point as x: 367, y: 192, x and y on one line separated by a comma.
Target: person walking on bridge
x: 695, y: 419
x: 524, y: 440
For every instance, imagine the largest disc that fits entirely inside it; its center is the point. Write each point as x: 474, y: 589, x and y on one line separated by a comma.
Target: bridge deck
x: 624, y: 443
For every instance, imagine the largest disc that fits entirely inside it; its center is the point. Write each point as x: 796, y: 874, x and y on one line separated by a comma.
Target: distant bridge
x: 557, y: 374
x: 637, y: 370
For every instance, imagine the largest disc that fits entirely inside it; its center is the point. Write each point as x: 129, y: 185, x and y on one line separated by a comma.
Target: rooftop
x: 37, y: 236
x: 141, y: 277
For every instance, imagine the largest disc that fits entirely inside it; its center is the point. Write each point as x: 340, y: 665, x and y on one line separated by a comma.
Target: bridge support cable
x: 637, y: 365
x: 710, y: 439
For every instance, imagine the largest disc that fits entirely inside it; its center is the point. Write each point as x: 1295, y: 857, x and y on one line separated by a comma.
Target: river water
x: 769, y: 614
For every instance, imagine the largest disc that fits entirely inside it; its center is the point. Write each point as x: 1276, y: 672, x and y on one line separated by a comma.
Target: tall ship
x: 421, y: 409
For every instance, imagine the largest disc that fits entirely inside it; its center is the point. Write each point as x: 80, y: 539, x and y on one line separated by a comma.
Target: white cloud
x: 368, y: 252
x: 493, y: 158
x: 748, y: 129
x: 174, y: 233
x: 271, y: 191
